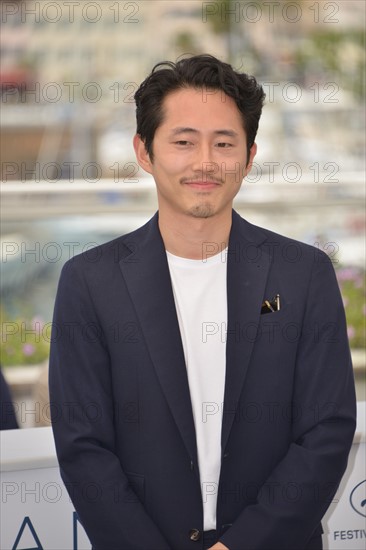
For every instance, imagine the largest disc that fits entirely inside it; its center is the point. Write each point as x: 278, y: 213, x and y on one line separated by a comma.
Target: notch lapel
x: 146, y: 273
x: 247, y: 273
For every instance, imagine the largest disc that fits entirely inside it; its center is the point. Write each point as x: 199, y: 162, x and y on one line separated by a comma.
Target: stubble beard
x: 203, y: 210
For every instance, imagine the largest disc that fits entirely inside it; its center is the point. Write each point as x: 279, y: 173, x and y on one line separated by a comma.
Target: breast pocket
x: 279, y: 327
x: 274, y: 352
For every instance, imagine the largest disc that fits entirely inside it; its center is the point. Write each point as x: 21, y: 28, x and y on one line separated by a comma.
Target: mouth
x: 202, y: 184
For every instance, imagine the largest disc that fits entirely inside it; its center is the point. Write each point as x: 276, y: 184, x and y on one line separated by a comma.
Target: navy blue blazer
x: 120, y: 400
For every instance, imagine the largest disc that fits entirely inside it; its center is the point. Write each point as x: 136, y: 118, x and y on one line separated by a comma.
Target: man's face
x: 199, y: 153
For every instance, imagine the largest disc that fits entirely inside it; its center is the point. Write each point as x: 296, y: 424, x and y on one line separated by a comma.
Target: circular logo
x: 358, y: 498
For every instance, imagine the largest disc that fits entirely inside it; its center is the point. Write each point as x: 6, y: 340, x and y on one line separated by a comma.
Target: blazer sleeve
x: 301, y: 487
x: 82, y: 416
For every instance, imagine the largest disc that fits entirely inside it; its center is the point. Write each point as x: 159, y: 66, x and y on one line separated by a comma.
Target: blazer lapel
x: 147, y: 277
x: 247, y: 272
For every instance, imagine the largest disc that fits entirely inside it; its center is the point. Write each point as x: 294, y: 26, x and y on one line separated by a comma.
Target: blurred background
x: 68, y: 74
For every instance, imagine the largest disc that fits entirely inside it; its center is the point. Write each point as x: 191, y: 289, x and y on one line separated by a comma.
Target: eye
x: 224, y: 145
x: 183, y: 142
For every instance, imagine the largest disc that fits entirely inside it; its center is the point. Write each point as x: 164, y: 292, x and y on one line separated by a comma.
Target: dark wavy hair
x: 200, y: 72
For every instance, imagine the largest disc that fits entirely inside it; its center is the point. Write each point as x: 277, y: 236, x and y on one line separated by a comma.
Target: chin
x: 202, y: 211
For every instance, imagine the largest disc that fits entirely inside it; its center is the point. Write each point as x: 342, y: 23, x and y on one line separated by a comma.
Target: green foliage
x: 185, y: 42
x: 24, y: 341
x: 337, y: 54
x: 220, y: 21
x: 351, y: 281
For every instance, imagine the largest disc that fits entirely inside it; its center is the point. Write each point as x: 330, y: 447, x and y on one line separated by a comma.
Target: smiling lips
x: 203, y: 184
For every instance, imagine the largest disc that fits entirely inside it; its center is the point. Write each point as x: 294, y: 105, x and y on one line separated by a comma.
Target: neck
x: 195, y: 238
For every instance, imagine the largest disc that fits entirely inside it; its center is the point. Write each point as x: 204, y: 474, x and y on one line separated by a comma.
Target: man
x: 200, y: 375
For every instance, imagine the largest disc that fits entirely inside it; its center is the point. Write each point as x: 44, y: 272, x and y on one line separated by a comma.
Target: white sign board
x: 36, y: 511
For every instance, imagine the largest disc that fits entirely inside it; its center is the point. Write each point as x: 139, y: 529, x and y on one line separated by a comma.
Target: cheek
x: 233, y: 170
x: 171, y: 165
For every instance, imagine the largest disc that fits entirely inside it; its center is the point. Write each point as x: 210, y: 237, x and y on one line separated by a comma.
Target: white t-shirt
x: 199, y: 288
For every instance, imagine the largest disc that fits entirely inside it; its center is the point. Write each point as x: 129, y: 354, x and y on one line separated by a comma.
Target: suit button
x: 195, y: 534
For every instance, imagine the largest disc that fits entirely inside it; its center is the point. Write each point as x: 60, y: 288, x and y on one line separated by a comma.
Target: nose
x: 203, y: 160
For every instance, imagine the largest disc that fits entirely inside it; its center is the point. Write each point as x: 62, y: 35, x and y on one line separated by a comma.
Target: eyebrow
x: 186, y: 130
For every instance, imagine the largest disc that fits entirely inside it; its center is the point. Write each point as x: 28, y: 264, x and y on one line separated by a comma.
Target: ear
x: 142, y: 155
x: 252, y: 153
